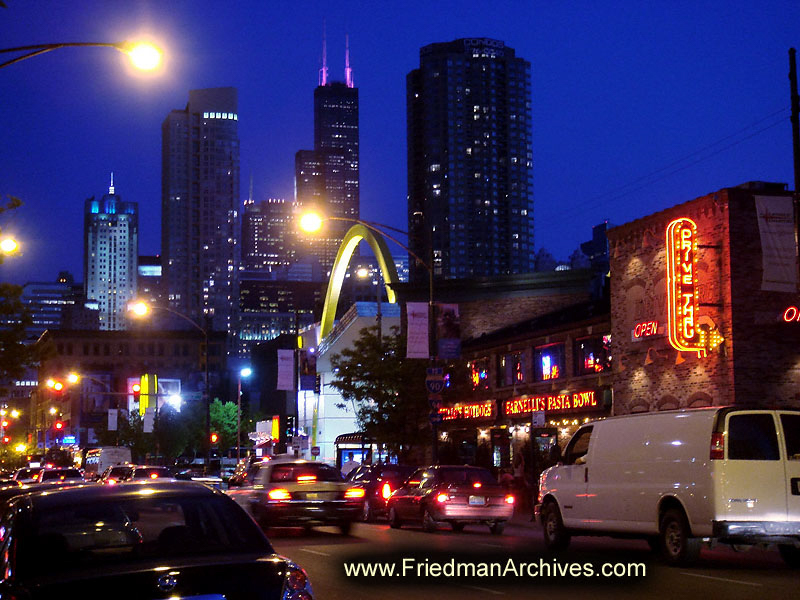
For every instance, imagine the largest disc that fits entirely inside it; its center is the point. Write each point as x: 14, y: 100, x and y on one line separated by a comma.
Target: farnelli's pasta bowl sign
x: 556, y: 403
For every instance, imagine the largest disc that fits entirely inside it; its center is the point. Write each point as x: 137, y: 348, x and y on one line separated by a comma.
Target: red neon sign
x: 682, y: 297
x: 645, y: 329
x: 476, y: 410
x: 792, y: 313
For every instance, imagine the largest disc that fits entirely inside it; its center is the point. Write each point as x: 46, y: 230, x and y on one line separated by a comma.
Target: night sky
x: 635, y: 107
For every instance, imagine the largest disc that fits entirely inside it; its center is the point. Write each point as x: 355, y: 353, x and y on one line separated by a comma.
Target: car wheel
x: 790, y: 555
x: 345, y: 527
x: 497, y: 527
x: 555, y: 535
x: 678, y: 547
x: 428, y: 522
x: 367, y: 514
x: 457, y: 527
x: 394, y: 520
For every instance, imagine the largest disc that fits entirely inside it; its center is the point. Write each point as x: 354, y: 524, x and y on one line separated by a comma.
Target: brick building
x: 741, y: 282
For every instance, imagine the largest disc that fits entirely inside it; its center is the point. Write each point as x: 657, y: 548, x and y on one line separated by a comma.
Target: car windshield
x: 396, y: 472
x: 119, y: 471
x: 466, y: 476
x: 61, y: 474
x: 151, y: 473
x: 300, y: 472
x: 129, y: 530
x: 27, y: 473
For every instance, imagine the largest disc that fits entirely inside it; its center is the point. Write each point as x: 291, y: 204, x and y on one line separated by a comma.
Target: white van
x: 680, y: 479
x: 98, y: 459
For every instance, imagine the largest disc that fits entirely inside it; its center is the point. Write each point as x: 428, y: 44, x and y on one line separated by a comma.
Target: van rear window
x: 752, y: 437
x: 791, y: 433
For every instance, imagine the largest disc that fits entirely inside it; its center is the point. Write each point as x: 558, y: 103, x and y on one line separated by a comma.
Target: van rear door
x: 752, y: 483
x: 790, y: 428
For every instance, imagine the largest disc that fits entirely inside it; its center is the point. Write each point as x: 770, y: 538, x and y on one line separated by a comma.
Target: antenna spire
x: 348, y: 72
x: 323, y: 72
x: 111, y: 187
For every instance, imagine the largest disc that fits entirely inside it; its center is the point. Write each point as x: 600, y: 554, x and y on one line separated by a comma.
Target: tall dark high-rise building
x: 268, y: 234
x: 470, y: 161
x: 200, y: 206
x: 327, y: 177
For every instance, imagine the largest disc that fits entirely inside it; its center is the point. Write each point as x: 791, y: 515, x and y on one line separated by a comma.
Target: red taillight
x: 296, y: 579
x: 717, y: 446
x: 354, y: 493
x: 386, y: 491
x: 153, y: 475
x: 477, y: 484
x: 306, y: 478
x: 442, y: 497
x: 111, y: 481
x: 279, y: 494
x: 509, y: 499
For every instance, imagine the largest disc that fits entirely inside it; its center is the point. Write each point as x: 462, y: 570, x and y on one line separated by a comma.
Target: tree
x: 223, y: 423
x: 15, y: 355
x: 387, y: 392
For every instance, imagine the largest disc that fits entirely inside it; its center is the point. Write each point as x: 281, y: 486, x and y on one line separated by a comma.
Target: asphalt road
x: 514, y: 556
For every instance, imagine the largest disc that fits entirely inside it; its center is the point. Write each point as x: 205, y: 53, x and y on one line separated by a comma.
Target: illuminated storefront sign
x: 688, y: 332
x: 475, y: 410
x: 791, y: 314
x: 646, y: 329
x: 561, y: 403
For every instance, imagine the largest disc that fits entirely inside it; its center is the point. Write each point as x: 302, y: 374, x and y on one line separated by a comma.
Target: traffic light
x: 6, y: 439
x: 214, y: 438
x: 289, y: 426
x: 4, y: 423
x: 59, y: 425
x: 135, y: 389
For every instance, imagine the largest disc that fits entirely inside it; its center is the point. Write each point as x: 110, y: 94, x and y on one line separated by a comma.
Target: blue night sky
x: 636, y: 106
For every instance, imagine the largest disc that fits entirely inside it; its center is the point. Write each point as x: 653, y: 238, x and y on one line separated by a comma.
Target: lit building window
x: 548, y: 362
x: 593, y: 355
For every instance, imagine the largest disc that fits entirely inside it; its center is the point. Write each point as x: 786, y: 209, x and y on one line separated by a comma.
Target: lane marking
x: 313, y: 552
x: 480, y: 589
x: 724, y: 579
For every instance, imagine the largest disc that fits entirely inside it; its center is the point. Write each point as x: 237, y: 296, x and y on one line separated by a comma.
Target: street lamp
x: 143, y: 55
x: 141, y: 309
x: 312, y: 222
x: 244, y: 373
x: 8, y: 245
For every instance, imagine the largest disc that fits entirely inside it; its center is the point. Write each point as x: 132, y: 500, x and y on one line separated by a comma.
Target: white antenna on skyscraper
x: 323, y: 72
x: 111, y: 187
x: 348, y: 72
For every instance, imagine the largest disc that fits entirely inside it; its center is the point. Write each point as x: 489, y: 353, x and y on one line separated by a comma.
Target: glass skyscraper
x: 470, y: 162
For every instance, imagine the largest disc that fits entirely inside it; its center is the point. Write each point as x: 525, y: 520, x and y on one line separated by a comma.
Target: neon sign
x: 475, y: 410
x: 645, y: 329
x: 792, y: 313
x: 575, y: 402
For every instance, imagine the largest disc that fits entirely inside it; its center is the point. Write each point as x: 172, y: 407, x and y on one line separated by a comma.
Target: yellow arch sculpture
x: 354, y: 236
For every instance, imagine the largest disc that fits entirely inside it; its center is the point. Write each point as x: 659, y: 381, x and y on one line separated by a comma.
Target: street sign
x: 434, y: 380
x: 314, y: 450
x: 538, y: 419
x: 435, y: 418
x: 435, y: 403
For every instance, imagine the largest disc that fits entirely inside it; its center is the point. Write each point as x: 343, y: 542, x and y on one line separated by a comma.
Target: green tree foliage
x: 15, y: 355
x: 223, y: 422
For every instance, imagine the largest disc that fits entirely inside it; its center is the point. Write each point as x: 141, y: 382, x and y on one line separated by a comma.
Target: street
x: 323, y: 552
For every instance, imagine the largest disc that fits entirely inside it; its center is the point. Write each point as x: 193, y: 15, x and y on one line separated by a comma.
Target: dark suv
x: 378, y: 481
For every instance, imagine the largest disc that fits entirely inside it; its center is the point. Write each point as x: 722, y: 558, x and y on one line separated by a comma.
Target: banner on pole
x: 286, y: 372
x: 112, y: 419
x: 418, y: 330
x: 448, y: 331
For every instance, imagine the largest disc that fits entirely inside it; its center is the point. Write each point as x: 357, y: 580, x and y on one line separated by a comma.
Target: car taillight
x: 296, y: 586
x: 477, y: 484
x: 354, y: 493
x: 509, y: 499
x: 153, y: 475
x: 111, y: 481
x: 442, y: 497
x: 386, y: 491
x: 717, y: 446
x: 279, y: 494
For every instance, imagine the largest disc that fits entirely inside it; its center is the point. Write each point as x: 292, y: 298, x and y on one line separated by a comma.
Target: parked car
x: 142, y: 540
x: 452, y: 494
x: 292, y: 493
x: 378, y: 481
x: 679, y: 478
x: 59, y: 474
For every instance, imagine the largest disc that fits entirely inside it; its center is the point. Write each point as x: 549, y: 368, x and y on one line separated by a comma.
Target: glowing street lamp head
x: 311, y: 222
x: 362, y: 272
x: 139, y: 309
x: 53, y: 410
x: 143, y: 55
x: 73, y: 378
x: 246, y: 372
x: 8, y: 245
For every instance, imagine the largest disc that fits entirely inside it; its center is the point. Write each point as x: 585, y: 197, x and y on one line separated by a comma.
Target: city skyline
x: 624, y: 99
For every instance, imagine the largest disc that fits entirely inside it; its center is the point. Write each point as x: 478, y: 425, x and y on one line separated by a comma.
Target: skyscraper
x: 200, y: 205
x: 470, y: 161
x: 327, y: 177
x: 111, y: 248
x: 268, y: 234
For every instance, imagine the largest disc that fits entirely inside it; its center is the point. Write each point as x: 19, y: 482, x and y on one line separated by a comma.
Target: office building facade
x: 470, y: 162
x: 268, y: 234
x: 111, y: 249
x: 200, y: 208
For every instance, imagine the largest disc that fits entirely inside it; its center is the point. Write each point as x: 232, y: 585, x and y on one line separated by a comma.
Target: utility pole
x: 795, y: 118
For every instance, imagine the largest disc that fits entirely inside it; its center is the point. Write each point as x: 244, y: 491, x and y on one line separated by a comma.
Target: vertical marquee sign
x: 688, y: 332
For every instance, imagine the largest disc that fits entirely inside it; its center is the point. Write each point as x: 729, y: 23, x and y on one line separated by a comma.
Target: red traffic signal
x: 59, y: 425
x: 214, y: 438
x: 135, y: 389
x: 6, y: 439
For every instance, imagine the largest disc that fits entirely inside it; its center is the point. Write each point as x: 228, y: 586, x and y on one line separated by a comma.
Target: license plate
x: 312, y: 496
x: 477, y: 500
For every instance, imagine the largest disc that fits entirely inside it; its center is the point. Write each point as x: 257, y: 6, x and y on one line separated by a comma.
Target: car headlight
x: 296, y: 585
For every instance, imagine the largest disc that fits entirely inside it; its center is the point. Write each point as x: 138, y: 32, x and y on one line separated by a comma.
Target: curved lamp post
x: 143, y: 55
x: 140, y: 309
